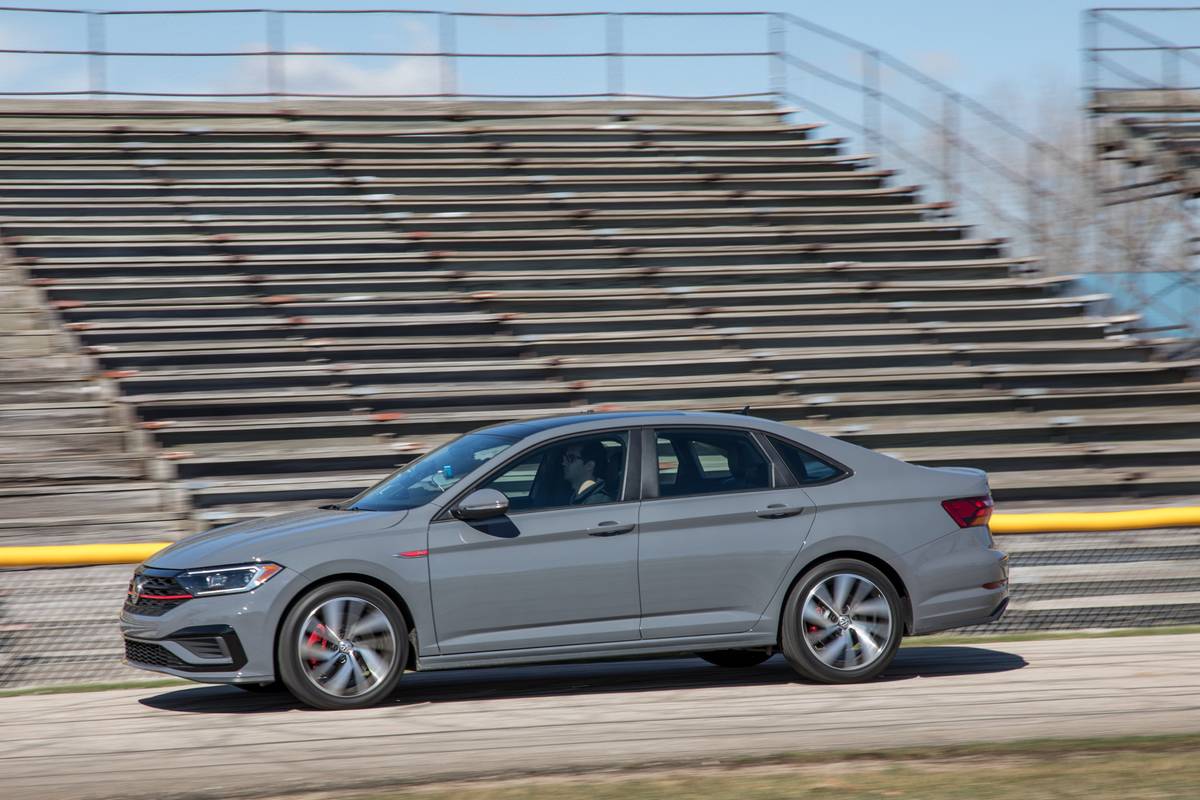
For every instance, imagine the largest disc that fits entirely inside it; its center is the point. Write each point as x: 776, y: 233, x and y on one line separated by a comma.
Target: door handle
x: 779, y: 511
x: 609, y: 529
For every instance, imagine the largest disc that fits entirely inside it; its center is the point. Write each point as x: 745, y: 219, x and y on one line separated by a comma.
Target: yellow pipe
x: 78, y: 555
x: 1094, y: 521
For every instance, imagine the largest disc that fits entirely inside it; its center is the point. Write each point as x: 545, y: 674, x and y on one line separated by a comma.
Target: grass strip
x: 71, y: 688
x: 1119, y: 768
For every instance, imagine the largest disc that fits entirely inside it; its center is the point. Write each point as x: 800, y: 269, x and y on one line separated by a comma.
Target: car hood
x: 268, y: 539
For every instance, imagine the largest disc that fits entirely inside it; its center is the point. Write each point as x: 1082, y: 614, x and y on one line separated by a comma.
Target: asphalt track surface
x: 222, y: 742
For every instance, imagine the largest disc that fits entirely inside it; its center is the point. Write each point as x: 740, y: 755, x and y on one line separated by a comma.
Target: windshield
x: 424, y: 479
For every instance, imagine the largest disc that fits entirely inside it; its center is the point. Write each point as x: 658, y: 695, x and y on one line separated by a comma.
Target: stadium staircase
x: 73, y: 463
x: 260, y: 308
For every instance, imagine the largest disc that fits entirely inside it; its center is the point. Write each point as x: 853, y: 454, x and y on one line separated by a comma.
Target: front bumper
x: 215, y: 639
x: 203, y: 648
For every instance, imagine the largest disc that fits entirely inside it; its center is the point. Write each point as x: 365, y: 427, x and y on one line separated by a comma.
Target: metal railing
x: 1015, y: 210
x: 1039, y: 195
x: 274, y: 29
x: 1122, y: 66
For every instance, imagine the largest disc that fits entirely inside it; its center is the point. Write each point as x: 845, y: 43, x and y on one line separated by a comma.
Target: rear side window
x: 709, y: 461
x: 668, y: 463
x: 806, y: 467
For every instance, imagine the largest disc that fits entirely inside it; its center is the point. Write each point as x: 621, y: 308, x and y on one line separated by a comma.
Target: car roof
x: 523, y: 428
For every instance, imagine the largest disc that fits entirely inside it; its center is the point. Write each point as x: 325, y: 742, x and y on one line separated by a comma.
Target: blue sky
x: 974, y: 46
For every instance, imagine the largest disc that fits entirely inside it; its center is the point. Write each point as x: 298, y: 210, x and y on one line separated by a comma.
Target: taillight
x: 969, y: 511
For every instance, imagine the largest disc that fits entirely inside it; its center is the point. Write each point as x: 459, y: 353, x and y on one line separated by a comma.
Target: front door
x: 717, y: 541
x: 560, y: 568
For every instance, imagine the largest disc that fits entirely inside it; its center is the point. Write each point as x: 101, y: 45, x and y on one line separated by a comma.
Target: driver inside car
x: 581, y: 463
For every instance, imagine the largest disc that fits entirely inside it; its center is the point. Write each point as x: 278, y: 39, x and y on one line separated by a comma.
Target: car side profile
x: 580, y: 537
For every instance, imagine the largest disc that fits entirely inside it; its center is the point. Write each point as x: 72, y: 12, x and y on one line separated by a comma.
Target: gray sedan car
x: 581, y: 537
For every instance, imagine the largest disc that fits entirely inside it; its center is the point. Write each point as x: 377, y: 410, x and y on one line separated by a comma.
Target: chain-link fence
x: 59, y: 626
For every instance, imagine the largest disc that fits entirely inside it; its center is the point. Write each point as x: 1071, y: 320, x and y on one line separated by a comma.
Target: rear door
x: 720, y: 523
x: 549, y: 572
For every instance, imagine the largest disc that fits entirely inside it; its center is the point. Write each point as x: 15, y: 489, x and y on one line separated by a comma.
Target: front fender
x: 407, y: 579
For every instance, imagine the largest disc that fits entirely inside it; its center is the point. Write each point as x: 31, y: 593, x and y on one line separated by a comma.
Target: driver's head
x: 582, y: 461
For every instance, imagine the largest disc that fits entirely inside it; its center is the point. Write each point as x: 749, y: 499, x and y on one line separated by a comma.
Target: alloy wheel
x: 347, y: 646
x: 846, y: 621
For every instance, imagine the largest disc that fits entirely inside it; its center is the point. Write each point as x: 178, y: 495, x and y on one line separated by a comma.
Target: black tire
x: 737, y: 659
x: 294, y: 673
x: 273, y: 687
x: 802, y: 655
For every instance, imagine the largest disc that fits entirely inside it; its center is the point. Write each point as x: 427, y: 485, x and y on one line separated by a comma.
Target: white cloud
x: 331, y: 75
x: 337, y: 75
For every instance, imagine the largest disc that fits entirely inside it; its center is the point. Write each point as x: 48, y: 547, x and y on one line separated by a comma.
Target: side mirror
x: 481, y: 504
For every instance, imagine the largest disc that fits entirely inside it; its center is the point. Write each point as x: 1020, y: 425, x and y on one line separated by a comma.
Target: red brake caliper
x: 318, y: 635
x: 813, y: 628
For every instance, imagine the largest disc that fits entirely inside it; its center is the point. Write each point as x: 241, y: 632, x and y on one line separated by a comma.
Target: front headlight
x: 227, y: 580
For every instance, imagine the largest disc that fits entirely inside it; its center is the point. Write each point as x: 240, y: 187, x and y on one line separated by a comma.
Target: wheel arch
x: 360, y: 577
x: 858, y: 555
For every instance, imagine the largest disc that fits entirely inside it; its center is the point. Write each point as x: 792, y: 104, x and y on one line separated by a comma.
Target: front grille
x: 150, y: 653
x: 148, y: 604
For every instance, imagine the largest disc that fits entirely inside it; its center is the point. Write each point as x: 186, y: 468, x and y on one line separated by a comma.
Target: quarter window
x: 805, y: 467
x: 709, y: 462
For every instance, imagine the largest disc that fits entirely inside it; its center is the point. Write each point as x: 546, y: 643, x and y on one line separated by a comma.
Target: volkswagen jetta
x: 578, y: 537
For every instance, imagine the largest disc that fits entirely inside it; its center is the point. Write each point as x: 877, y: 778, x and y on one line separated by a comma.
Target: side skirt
x: 595, y: 652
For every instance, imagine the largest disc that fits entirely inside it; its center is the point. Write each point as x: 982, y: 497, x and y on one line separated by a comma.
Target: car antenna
x: 745, y: 412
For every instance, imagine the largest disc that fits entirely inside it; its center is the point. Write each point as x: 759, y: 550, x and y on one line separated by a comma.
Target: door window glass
x: 668, y: 463
x: 805, y: 467
x: 709, y: 462
x: 585, y: 470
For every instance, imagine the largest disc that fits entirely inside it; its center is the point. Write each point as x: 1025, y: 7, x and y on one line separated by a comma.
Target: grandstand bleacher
x: 295, y: 301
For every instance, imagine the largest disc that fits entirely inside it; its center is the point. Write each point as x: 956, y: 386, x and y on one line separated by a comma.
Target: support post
x: 447, y: 35
x: 96, y: 54
x: 872, y: 110
x: 1033, y: 201
x: 1171, y: 68
x: 776, y: 47
x: 277, y: 51
x: 1091, y: 58
x: 614, y: 47
x: 950, y: 149
x: 1095, y: 225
